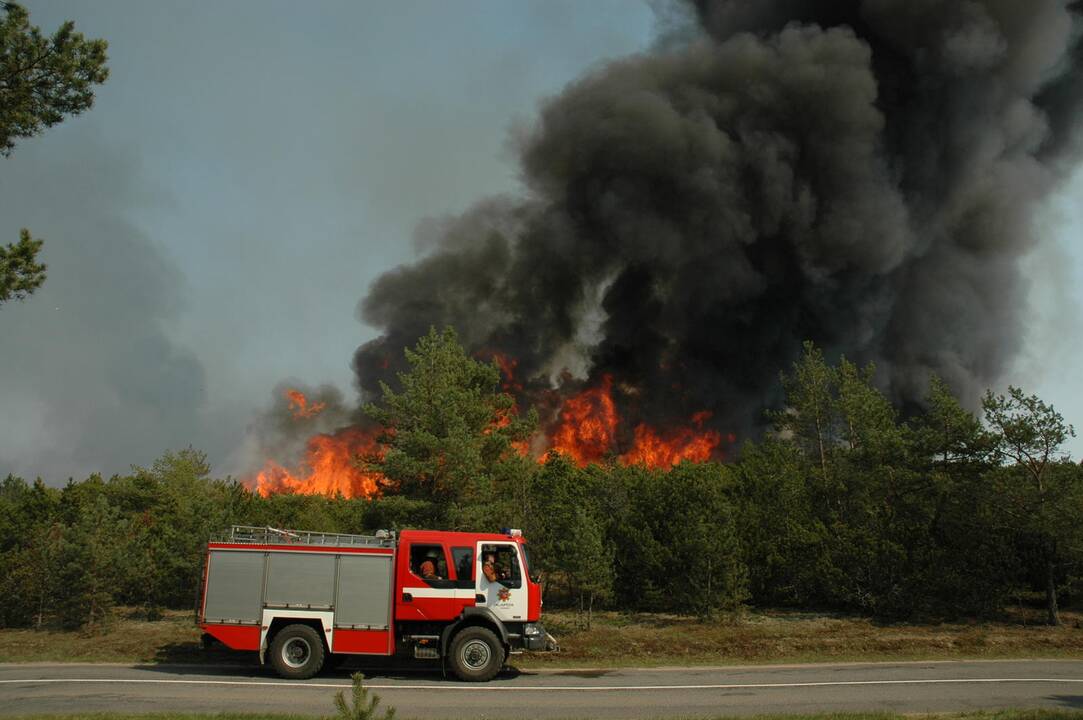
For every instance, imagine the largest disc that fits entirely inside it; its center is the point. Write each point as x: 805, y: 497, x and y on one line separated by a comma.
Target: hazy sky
x: 250, y: 167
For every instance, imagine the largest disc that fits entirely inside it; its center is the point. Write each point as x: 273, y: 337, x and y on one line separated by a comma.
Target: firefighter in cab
x: 428, y: 567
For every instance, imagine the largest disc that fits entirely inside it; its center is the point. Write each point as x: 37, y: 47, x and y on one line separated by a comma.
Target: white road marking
x: 548, y: 688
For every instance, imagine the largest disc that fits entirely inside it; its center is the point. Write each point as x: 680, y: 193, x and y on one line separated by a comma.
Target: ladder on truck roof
x: 251, y: 535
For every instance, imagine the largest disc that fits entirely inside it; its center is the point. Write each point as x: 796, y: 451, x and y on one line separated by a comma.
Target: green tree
x: 29, y: 552
x: 677, y: 546
x: 175, y: 509
x: 42, y: 80
x: 91, y: 561
x: 395, y: 512
x: 362, y: 704
x: 962, y: 560
x: 1040, y: 498
x: 951, y: 436
x: 567, y: 530
x: 449, y: 435
x: 880, y: 501
x: 29, y: 578
x: 557, y: 489
x: 895, y: 509
x: 20, y: 272
x: 810, y: 418
x: 868, y: 418
x: 783, y: 541
x: 590, y: 564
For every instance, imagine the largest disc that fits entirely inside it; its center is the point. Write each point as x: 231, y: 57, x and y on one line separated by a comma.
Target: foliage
x: 847, y: 505
x: 783, y: 539
x: 1040, y: 492
x: 449, y: 434
x: 567, y: 532
x: 362, y: 705
x: 676, y: 543
x: 20, y: 272
x: 43, y: 79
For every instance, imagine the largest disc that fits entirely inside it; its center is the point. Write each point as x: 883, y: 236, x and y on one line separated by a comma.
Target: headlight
x: 531, y: 630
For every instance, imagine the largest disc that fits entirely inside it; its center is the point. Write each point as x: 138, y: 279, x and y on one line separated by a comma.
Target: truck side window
x: 463, y: 560
x: 429, y: 563
x: 507, y: 564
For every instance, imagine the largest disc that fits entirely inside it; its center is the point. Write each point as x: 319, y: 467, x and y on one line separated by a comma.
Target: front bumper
x: 535, y: 638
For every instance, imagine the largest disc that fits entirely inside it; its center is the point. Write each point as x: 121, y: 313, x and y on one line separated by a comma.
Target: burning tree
x: 449, y: 434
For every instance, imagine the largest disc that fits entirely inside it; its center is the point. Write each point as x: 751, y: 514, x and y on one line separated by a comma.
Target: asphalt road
x: 617, y: 693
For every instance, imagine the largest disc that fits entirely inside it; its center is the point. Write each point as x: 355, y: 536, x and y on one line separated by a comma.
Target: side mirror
x: 535, y: 579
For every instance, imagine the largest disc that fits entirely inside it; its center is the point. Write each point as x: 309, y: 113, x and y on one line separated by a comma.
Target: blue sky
x: 248, y: 170
x: 1051, y: 364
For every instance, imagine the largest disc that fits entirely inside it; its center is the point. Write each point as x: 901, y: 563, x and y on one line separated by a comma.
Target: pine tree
x: 449, y: 431
x: 362, y: 705
x: 42, y: 80
x: 1041, y: 498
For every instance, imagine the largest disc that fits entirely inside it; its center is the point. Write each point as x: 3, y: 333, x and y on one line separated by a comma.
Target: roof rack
x: 251, y: 535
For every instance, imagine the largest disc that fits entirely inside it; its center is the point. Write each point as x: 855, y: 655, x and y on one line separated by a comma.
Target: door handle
x: 479, y: 599
x: 407, y: 597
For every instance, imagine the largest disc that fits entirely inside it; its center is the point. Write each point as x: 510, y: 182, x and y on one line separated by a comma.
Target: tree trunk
x: 710, y: 595
x: 820, y: 444
x: 1051, y: 593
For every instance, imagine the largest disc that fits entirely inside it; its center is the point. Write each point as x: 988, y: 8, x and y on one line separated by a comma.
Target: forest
x: 846, y: 503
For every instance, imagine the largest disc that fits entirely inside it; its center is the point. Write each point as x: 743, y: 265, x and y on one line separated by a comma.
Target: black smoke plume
x: 861, y: 173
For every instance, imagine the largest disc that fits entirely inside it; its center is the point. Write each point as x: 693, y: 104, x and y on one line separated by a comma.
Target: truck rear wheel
x: 297, y: 652
x: 476, y: 654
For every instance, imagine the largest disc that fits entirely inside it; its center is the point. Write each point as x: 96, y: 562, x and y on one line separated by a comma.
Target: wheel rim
x: 475, y: 654
x: 296, y: 652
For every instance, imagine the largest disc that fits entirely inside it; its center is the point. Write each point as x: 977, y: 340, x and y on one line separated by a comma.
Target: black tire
x: 476, y: 654
x: 297, y: 652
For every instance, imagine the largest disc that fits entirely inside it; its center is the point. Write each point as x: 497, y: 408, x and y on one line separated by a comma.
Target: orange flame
x: 299, y: 406
x: 507, y: 365
x: 587, y: 431
x: 667, y: 449
x: 588, y: 424
x: 329, y: 468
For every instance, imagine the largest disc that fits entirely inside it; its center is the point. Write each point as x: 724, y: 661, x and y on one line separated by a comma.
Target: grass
x: 792, y: 637
x: 983, y: 715
x: 127, y: 638
x: 619, y: 639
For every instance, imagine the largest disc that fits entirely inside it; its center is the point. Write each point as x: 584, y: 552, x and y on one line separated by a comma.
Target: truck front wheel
x: 476, y: 654
x: 297, y: 652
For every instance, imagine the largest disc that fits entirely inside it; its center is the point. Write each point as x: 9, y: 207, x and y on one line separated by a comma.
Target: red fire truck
x: 308, y: 599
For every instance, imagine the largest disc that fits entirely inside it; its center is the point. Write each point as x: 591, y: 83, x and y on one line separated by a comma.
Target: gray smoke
x: 91, y: 375
x: 861, y: 173
x: 282, y: 430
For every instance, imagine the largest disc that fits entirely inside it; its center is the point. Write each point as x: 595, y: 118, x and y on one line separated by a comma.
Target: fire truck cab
x: 304, y: 600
